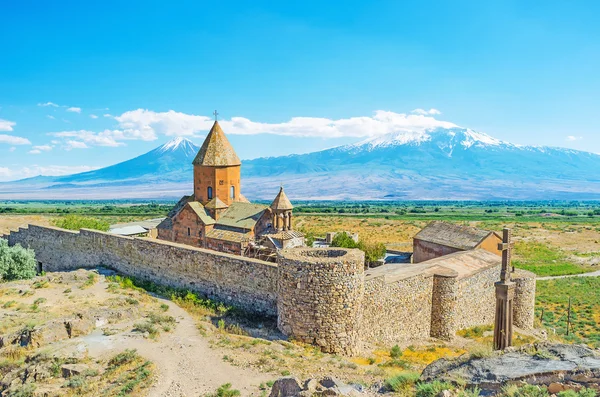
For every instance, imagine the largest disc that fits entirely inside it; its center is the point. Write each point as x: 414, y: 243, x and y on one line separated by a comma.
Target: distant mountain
x: 454, y: 163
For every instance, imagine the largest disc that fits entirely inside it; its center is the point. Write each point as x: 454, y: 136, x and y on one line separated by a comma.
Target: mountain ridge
x: 451, y: 163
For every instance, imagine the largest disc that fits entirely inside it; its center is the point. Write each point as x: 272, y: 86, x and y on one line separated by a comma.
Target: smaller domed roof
x: 281, y: 202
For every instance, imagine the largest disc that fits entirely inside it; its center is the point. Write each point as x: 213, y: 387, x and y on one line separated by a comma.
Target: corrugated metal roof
x: 216, y: 151
x: 452, y: 235
x: 130, y: 230
x: 241, y: 215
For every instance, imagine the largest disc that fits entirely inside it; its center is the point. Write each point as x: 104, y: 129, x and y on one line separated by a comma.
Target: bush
x: 373, y: 252
x: 396, y: 352
x: 432, y: 389
x: 402, y: 382
x: 76, y: 222
x: 16, y: 262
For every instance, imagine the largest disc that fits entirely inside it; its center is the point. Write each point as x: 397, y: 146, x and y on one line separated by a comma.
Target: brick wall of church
x: 187, y: 229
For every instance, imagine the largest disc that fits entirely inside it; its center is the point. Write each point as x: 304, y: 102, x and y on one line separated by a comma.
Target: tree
x: 373, y: 251
x: 16, y: 262
x: 76, y: 222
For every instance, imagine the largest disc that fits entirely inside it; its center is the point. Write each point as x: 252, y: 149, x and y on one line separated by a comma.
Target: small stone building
x: 442, y: 238
x: 218, y: 217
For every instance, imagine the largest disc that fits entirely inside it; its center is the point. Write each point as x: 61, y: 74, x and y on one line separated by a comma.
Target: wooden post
x: 569, y: 317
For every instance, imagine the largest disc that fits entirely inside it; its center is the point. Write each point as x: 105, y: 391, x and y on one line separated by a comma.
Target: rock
x: 555, y: 388
x: 329, y: 382
x: 69, y: 370
x: 330, y: 391
x: 311, y: 385
x: 286, y: 387
x: 445, y: 393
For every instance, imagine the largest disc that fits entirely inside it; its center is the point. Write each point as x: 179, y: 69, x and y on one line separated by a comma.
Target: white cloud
x: 572, y: 138
x: 146, y: 124
x: 82, y: 138
x: 44, y: 148
x: 93, y: 116
x: 12, y: 149
x: 6, y: 125
x: 423, y: 112
x: 51, y: 117
x: 35, y: 151
x: 35, y: 170
x: 76, y: 145
x: 107, y: 115
x: 74, y: 109
x: 48, y: 104
x: 14, y: 140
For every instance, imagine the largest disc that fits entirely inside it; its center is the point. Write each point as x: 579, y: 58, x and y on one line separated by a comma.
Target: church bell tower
x: 217, y: 169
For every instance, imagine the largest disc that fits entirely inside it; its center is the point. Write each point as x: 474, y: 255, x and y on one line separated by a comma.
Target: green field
x: 552, y: 297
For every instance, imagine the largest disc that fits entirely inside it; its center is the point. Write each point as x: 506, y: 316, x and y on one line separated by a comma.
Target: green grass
x: 552, y: 296
x: 543, y: 260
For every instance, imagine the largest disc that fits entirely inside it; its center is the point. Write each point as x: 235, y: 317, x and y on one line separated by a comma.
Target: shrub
x: 584, y: 392
x: 432, y: 389
x: 396, y: 352
x: 525, y: 391
x: 76, y: 222
x: 402, y: 382
x: 225, y: 391
x: 16, y: 262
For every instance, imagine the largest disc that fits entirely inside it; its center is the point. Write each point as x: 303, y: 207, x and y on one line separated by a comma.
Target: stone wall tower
x: 281, y: 209
x: 217, y: 169
x: 320, y: 297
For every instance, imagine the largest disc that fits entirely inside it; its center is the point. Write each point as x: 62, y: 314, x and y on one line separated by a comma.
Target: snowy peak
x: 178, y: 144
x: 442, y: 137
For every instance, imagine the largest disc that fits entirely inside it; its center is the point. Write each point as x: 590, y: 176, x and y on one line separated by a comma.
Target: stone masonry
x: 320, y: 296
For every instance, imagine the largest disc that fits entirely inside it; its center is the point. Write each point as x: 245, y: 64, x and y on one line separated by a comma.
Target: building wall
x: 220, y: 179
x: 243, y: 282
x: 490, y: 243
x: 424, y: 250
x: 397, y: 311
x: 187, y: 220
x: 477, y: 298
x: 320, y: 294
x: 230, y: 247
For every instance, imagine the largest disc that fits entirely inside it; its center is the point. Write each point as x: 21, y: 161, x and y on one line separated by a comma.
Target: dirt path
x: 186, y: 364
x: 591, y: 274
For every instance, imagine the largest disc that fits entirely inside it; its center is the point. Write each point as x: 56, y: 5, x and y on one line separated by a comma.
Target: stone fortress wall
x: 320, y: 296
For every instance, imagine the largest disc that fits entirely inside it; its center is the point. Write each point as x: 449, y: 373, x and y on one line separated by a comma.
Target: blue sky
x: 287, y: 77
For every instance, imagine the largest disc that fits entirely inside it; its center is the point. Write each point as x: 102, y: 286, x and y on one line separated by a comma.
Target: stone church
x: 218, y: 217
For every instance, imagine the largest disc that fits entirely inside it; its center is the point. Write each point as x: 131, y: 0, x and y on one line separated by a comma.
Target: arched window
x: 209, y: 192
x: 232, y: 192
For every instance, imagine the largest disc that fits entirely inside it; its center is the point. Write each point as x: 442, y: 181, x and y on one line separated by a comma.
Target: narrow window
x: 189, y: 232
x: 209, y: 193
x: 233, y: 192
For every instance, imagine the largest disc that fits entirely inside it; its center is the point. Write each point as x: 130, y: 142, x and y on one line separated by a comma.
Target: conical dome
x: 216, y: 151
x: 281, y: 202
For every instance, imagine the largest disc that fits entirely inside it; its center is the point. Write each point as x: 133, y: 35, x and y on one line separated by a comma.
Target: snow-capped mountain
x: 454, y: 163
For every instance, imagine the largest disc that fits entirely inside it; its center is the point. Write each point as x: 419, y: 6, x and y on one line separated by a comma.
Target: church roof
x: 281, y: 202
x: 241, y: 215
x: 201, y: 212
x: 216, y: 151
x: 452, y: 235
x: 215, y: 203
